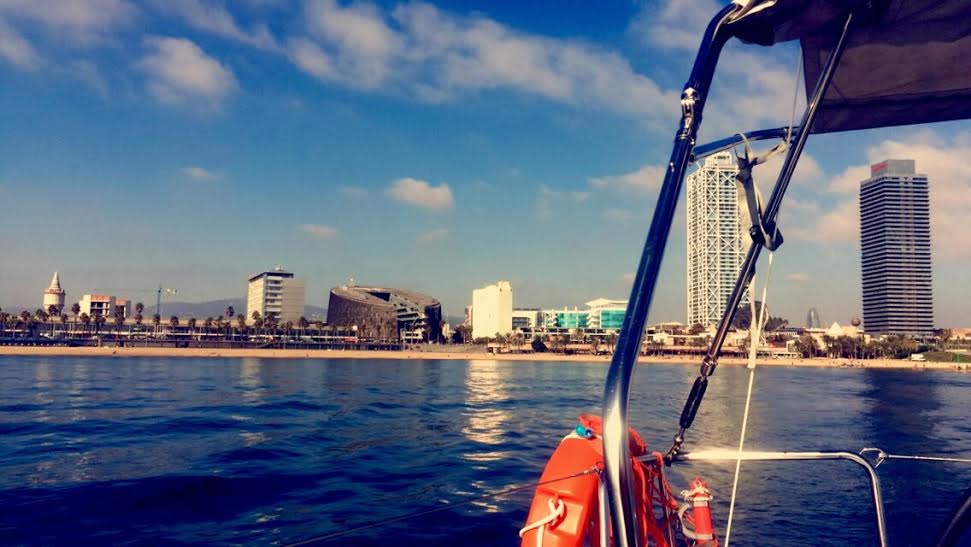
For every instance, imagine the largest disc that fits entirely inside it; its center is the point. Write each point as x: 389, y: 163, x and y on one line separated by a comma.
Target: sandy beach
x: 450, y: 355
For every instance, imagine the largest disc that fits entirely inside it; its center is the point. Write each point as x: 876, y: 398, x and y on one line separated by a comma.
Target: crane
x: 158, y: 294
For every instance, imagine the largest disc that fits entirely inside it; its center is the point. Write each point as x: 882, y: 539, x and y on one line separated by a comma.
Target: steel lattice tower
x: 716, y: 241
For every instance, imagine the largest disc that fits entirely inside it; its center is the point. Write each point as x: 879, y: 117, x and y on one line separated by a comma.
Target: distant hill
x: 212, y: 308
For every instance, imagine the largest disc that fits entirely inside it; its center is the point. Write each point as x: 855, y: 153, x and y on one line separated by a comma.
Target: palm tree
x: 139, y: 308
x: 76, y: 310
x: 85, y: 320
x: 156, y: 321
x: 230, y: 312
x: 139, y: 319
x: 119, y: 320
x: 174, y: 321
x: 192, y: 324
x: 4, y: 316
x: 53, y: 311
x: 99, y: 320
x: 63, y: 318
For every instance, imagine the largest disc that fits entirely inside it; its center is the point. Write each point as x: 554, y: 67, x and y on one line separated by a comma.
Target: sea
x: 170, y: 451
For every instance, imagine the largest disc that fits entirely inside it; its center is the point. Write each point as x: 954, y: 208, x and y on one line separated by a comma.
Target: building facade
x: 895, y: 244
x: 54, y: 295
x: 717, y: 243
x: 98, y: 304
x: 492, y: 310
x: 606, y: 314
x: 384, y: 313
x: 526, y: 319
x: 276, y: 294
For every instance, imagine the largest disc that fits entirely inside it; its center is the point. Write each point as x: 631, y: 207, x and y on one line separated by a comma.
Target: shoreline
x: 65, y: 351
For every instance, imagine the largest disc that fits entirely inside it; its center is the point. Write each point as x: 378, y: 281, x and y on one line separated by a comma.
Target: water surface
x: 251, y: 451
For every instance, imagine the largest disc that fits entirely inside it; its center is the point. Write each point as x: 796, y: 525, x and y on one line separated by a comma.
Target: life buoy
x: 564, y: 512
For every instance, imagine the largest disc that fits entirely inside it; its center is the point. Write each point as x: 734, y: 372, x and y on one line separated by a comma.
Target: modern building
x: 530, y: 318
x: 123, y: 306
x: 98, y: 304
x: 717, y: 243
x: 895, y: 243
x: 567, y: 319
x: 492, y: 310
x: 812, y: 319
x: 54, y: 295
x: 606, y: 314
x: 383, y: 313
x: 276, y: 294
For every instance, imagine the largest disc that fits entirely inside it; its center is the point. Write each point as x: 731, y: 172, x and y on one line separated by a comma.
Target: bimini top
x: 906, y: 61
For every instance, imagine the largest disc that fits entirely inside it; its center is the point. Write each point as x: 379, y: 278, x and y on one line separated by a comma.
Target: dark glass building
x: 895, y: 240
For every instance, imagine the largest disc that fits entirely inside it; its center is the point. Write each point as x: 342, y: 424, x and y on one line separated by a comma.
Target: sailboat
x: 866, y: 64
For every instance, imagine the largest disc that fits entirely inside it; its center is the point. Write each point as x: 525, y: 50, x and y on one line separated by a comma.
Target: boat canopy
x: 908, y: 62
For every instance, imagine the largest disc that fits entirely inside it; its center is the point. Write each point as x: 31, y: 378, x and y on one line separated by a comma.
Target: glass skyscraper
x: 895, y: 240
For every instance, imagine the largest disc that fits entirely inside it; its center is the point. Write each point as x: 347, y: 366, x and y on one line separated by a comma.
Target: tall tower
x: 54, y: 295
x: 717, y: 243
x: 895, y: 240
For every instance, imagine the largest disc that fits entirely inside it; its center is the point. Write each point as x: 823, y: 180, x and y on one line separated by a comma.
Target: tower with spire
x: 54, y: 295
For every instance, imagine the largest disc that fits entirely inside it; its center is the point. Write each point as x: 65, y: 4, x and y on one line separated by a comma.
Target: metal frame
x: 617, y: 472
x: 733, y: 455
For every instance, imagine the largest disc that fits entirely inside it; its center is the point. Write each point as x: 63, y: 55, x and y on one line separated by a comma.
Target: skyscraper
x: 895, y: 240
x: 717, y: 243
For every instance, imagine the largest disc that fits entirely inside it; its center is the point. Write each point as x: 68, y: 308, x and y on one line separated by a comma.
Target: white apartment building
x: 275, y: 294
x: 98, y: 304
x: 717, y: 243
x: 492, y: 310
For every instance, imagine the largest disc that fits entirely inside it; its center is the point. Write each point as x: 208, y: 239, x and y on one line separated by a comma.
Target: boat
x: 866, y: 64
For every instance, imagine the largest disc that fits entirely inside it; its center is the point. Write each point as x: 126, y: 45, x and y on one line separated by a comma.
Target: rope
x: 374, y: 524
x: 757, y: 324
x: 556, y: 511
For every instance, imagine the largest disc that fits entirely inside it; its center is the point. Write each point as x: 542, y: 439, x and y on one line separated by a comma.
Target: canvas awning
x: 906, y: 61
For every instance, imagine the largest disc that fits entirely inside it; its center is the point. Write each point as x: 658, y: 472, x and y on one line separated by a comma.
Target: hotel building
x: 492, y: 310
x: 895, y: 242
x: 717, y: 243
x: 275, y: 294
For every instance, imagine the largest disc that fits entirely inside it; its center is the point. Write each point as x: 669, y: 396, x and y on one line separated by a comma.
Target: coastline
x: 65, y: 351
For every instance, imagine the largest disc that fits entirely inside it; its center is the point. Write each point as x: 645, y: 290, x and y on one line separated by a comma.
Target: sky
x: 438, y: 147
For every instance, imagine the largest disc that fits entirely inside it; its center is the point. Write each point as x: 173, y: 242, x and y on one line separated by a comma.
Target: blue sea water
x: 250, y: 451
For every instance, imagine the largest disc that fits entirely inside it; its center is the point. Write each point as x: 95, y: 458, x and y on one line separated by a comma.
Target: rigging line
x: 927, y: 458
x: 755, y: 335
x: 374, y: 524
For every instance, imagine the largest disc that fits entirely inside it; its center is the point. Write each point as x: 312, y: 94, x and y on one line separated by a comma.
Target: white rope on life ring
x: 556, y: 511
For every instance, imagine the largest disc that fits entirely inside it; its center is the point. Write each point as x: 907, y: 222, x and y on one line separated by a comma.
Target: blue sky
x: 432, y: 146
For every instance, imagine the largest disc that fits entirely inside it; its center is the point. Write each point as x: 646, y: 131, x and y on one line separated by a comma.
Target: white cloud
x: 546, y: 197
x: 310, y: 58
x: 180, y: 72
x: 319, y: 230
x: 81, y: 21
x: 432, y: 236
x: 421, y: 194
x: 353, y: 192
x: 199, y: 174
x: 423, y: 52
x: 947, y: 163
x: 16, y: 50
x: 646, y: 179
x: 214, y: 18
